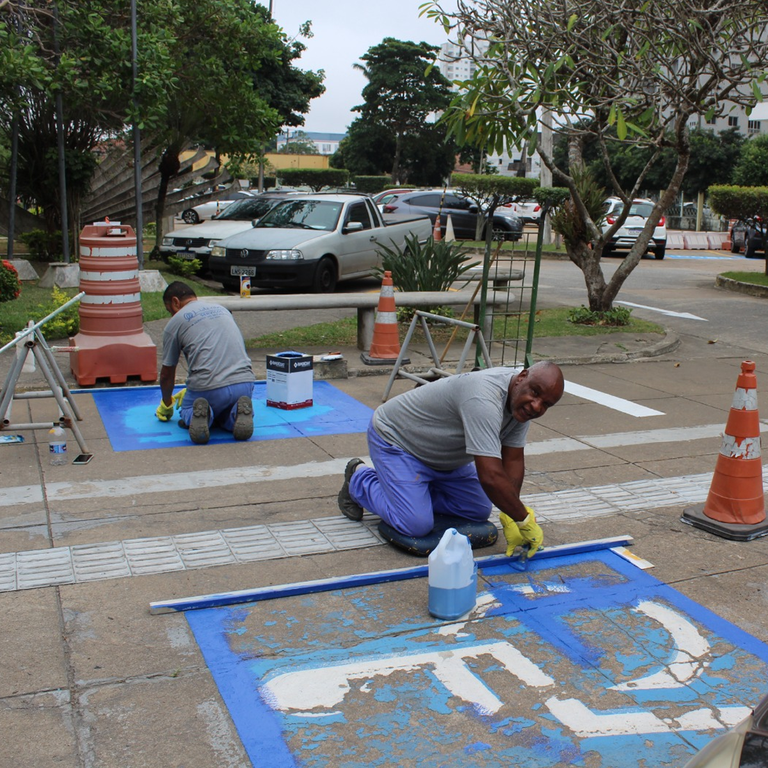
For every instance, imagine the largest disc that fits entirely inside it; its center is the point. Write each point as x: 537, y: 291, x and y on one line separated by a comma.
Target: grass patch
x: 753, y: 278
x: 549, y: 322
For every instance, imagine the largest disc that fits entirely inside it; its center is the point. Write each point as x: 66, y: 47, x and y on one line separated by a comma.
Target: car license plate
x: 242, y: 271
x: 189, y: 255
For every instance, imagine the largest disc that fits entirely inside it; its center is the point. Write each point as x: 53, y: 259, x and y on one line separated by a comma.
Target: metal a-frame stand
x: 475, y: 335
x: 34, y: 344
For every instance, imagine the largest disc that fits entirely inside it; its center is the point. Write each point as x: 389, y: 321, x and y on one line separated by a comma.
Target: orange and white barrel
x: 109, y: 276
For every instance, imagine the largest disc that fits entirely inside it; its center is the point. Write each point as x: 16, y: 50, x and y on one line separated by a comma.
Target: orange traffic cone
x: 735, y: 506
x: 436, y: 233
x: 385, y: 347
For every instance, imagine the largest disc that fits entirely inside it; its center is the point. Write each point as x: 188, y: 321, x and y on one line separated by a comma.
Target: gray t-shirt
x: 212, y: 345
x: 448, y: 422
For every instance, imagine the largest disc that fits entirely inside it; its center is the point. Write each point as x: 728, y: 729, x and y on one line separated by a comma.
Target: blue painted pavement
x: 583, y: 660
x: 128, y: 414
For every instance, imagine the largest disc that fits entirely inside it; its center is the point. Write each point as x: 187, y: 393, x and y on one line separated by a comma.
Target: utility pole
x: 137, y: 141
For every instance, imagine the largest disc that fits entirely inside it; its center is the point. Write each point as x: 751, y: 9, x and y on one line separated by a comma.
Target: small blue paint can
x: 452, y: 577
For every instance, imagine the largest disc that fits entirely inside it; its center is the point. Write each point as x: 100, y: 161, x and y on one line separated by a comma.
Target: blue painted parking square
x: 128, y: 414
x: 582, y: 660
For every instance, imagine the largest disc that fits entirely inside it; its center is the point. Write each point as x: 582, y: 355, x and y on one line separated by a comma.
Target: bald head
x: 536, y: 389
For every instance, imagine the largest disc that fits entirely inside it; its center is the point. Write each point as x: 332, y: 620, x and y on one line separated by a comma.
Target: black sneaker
x: 243, y: 428
x: 348, y: 506
x: 198, y: 425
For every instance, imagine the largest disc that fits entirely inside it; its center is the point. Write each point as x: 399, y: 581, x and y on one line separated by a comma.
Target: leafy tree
x: 298, y: 144
x: 490, y: 191
x: 403, y: 89
x: 368, y: 149
x: 83, y: 54
x: 746, y: 203
x: 752, y: 166
x: 611, y: 73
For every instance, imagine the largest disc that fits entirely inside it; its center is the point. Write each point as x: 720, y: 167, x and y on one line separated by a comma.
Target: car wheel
x: 750, y: 250
x: 190, y: 216
x: 660, y: 251
x: 325, y: 276
x: 734, y: 245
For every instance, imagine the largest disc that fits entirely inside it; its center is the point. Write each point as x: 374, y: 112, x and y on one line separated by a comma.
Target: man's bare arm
x: 167, y: 382
x: 502, y: 480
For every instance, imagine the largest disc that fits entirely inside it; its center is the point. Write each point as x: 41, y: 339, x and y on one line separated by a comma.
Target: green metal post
x: 484, y: 287
x: 535, y: 288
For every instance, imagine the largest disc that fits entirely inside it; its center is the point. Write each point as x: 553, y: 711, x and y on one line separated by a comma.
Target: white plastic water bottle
x: 452, y: 577
x: 57, y: 446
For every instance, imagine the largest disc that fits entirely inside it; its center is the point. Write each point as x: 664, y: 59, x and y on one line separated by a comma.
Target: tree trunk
x: 169, y: 167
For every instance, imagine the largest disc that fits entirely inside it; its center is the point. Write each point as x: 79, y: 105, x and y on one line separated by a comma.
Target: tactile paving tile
x: 346, y: 534
x: 199, y: 550
x: 44, y: 568
x: 256, y: 542
x: 156, y: 555
x: 100, y: 561
x: 8, y: 572
x: 302, y: 538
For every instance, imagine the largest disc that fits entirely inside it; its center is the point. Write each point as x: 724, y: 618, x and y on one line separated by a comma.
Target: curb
x: 729, y: 284
x: 669, y: 343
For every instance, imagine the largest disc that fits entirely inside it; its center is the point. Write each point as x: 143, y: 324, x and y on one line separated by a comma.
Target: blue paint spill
x: 128, y: 415
x: 588, y: 637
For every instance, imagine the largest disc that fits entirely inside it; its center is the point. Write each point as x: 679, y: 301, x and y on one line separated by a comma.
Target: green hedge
x: 371, y: 184
x: 316, y: 178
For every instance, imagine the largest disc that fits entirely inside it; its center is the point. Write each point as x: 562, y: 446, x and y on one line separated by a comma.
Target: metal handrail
x: 32, y: 328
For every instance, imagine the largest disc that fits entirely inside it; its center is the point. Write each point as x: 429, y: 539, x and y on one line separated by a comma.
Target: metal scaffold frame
x: 31, y: 341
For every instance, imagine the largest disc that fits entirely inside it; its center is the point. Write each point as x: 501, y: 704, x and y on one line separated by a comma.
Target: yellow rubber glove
x: 511, y: 533
x: 178, y: 398
x: 531, y: 532
x: 164, y: 412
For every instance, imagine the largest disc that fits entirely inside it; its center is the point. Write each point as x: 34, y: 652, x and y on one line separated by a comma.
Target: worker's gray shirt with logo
x: 446, y: 423
x: 212, y: 344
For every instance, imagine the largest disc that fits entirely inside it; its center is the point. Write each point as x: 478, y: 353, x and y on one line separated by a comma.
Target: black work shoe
x: 243, y: 428
x: 348, y: 506
x: 198, y: 424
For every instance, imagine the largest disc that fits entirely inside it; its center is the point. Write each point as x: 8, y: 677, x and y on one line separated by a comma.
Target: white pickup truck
x: 313, y: 242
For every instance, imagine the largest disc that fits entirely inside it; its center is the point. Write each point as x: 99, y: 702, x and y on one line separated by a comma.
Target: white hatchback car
x: 625, y: 236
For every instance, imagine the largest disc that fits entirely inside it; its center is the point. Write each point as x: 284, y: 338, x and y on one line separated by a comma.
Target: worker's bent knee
x: 416, y: 528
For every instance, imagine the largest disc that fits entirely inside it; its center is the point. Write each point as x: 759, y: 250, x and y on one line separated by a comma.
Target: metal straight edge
x: 258, y: 594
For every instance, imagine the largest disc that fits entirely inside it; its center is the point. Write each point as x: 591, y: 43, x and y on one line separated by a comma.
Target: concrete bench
x: 498, y: 277
x: 364, y: 303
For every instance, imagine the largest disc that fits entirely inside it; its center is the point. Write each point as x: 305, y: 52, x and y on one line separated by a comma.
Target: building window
x: 733, y: 122
x: 753, y: 126
x: 712, y: 121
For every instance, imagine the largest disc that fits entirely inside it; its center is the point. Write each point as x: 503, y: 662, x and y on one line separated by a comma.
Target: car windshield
x: 303, y: 214
x: 641, y: 209
x: 244, y: 210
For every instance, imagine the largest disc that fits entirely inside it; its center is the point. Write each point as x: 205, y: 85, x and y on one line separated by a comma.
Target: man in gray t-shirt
x: 454, y: 447
x: 219, y: 373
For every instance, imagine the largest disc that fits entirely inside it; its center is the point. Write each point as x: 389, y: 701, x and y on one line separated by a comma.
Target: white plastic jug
x: 452, y: 577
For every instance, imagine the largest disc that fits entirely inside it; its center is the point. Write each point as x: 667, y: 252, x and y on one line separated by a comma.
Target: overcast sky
x: 343, y: 31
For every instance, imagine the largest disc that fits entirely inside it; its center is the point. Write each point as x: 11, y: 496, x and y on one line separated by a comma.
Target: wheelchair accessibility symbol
x: 580, y: 661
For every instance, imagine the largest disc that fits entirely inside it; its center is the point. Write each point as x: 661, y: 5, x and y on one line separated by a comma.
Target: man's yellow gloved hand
x: 511, y: 533
x: 531, y: 532
x: 164, y: 412
x: 178, y: 398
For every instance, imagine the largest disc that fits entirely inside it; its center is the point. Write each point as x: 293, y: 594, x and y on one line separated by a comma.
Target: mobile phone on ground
x: 82, y: 458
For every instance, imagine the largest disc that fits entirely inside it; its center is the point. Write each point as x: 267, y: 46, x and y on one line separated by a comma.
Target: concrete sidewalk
x: 89, y: 678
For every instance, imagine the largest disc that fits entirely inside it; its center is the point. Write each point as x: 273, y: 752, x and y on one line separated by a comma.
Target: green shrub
x: 371, y: 184
x: 316, y: 178
x: 45, y: 246
x: 10, y: 286
x: 66, y: 323
x: 184, y: 267
x: 614, y: 317
x: 428, y: 266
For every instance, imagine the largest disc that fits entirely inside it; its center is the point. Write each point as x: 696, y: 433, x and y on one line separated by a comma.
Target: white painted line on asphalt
x: 684, y: 315
x: 610, y: 401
